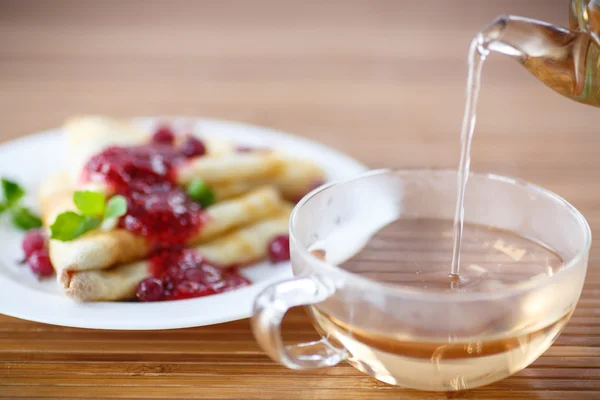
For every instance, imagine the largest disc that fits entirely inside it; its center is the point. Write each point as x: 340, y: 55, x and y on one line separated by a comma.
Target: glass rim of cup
x: 405, y: 291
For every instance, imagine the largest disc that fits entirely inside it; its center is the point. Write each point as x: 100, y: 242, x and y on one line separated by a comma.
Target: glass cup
x: 446, y: 340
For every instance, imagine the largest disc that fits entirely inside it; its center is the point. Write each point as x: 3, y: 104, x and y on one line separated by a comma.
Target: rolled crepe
x: 99, y: 249
x: 245, y: 245
x: 235, y: 167
x: 297, y: 177
x: 294, y: 179
x: 241, y: 247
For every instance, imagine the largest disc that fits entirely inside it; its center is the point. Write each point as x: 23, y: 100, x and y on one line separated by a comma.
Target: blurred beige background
x: 381, y: 80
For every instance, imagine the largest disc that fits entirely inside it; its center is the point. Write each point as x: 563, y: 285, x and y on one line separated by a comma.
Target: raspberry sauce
x: 162, y: 212
x: 185, y: 274
x: 157, y: 208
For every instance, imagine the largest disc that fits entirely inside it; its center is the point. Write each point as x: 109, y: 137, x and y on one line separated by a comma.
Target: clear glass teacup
x: 394, y: 313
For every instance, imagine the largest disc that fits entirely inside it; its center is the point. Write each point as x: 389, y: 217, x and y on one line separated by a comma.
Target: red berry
x: 205, y: 274
x: 150, y: 289
x: 168, y: 285
x: 188, y: 288
x: 193, y: 147
x: 234, y: 280
x: 164, y: 135
x: 34, y: 240
x: 194, y: 275
x: 40, y: 263
x: 279, y: 248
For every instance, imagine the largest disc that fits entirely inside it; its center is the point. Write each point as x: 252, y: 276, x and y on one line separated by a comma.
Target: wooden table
x: 380, y: 80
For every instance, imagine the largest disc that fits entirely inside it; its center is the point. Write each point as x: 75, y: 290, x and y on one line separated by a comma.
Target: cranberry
x: 234, y: 280
x: 34, y: 240
x: 194, y: 275
x: 169, y: 284
x: 175, y: 273
x: 279, y: 248
x: 149, y: 289
x: 40, y: 264
x: 193, y: 147
x: 188, y: 290
x: 205, y: 274
x: 164, y: 135
x: 230, y: 282
x: 211, y: 273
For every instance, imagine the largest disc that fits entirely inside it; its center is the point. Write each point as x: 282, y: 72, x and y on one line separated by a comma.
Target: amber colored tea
x: 414, y: 253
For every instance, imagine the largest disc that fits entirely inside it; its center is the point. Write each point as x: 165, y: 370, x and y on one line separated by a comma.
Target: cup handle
x: 269, y: 309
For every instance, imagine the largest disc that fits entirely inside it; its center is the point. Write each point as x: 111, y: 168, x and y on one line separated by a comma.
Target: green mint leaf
x: 89, y: 203
x: 116, y: 207
x: 70, y: 225
x: 87, y: 224
x: 12, y: 192
x: 3, y: 207
x: 201, y: 193
x: 65, y: 226
x: 24, y: 219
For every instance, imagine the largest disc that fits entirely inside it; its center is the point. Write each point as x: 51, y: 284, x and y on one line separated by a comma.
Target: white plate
x: 30, y: 159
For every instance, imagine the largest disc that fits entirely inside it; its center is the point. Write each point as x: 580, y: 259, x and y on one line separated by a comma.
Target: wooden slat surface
x: 380, y: 80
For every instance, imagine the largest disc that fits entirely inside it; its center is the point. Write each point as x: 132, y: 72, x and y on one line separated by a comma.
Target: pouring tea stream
x: 567, y: 61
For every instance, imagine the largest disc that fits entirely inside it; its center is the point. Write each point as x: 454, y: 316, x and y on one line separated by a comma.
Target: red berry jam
x: 164, y: 135
x: 162, y: 212
x: 279, y: 248
x: 157, y: 208
x: 193, y: 147
x: 185, y: 274
x: 150, y: 289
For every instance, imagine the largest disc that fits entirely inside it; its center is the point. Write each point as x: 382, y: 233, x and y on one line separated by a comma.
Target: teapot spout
x: 564, y: 60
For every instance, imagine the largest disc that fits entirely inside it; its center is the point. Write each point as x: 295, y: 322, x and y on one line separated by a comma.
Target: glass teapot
x: 567, y: 61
